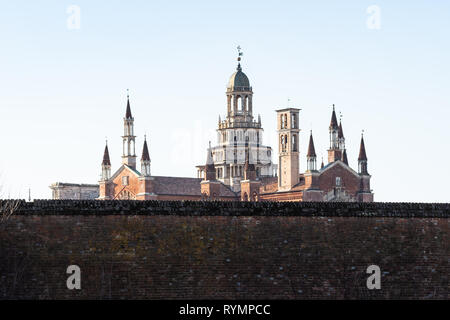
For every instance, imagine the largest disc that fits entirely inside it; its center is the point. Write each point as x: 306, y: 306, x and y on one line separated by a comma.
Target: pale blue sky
x: 62, y: 91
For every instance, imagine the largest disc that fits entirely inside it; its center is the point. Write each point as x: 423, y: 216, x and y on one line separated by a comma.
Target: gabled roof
x: 125, y: 167
x: 336, y: 163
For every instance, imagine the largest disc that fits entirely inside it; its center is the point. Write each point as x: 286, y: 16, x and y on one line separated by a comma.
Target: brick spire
x: 333, y: 123
x: 311, y: 150
x: 145, y: 154
x: 362, y: 151
x: 106, y: 161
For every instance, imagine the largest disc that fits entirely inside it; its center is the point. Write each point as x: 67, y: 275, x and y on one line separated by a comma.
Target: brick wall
x: 151, y: 250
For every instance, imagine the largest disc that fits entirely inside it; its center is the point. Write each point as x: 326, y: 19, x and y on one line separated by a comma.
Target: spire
x: 106, y: 161
x: 311, y: 155
x: 340, y: 130
x: 311, y: 151
x: 106, y: 165
x: 344, y: 157
x: 333, y: 123
x: 145, y: 154
x: 145, y: 160
x: 128, y: 113
x: 362, y: 150
x: 249, y: 166
x: 210, y: 169
x: 321, y: 166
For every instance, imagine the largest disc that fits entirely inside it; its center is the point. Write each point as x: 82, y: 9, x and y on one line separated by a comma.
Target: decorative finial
x: 362, y: 132
x: 106, y: 140
x: 128, y: 93
x: 145, y: 136
x: 209, y: 143
x: 340, y: 116
x: 240, y: 53
x: 333, y: 106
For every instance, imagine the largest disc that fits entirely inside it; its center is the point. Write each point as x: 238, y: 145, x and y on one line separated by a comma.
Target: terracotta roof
x: 185, y: 186
x: 344, y: 157
x: 106, y: 160
x: 177, y: 185
x: 333, y: 123
x: 145, y: 155
x: 128, y: 113
x: 362, y: 151
x: 311, y: 151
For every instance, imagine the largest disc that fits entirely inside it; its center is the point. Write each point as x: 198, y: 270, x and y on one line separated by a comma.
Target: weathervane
x: 240, y: 53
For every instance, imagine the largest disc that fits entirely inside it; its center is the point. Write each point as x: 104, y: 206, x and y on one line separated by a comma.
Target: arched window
x: 239, y: 103
x: 294, y: 121
x: 294, y: 142
x: 245, y: 196
x: 255, y: 196
x: 283, y: 143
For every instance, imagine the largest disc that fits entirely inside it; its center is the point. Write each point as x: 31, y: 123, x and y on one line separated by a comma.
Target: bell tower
x: 239, y: 96
x: 288, y: 146
x: 129, y: 154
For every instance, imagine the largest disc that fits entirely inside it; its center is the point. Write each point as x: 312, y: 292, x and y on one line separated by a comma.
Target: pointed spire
x: 340, y: 130
x: 249, y: 166
x: 311, y: 150
x: 145, y: 154
x: 106, y: 161
x: 210, y: 169
x: 259, y: 118
x: 344, y: 157
x: 333, y: 123
x: 128, y: 112
x: 220, y: 119
x: 322, y: 165
x: 362, y: 150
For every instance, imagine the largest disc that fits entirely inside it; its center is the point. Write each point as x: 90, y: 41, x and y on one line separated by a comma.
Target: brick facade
x: 224, y: 250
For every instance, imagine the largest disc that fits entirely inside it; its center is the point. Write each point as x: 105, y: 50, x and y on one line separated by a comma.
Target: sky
x: 65, y: 67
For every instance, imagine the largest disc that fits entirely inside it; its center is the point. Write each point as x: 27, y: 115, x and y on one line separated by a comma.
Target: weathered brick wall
x: 151, y: 250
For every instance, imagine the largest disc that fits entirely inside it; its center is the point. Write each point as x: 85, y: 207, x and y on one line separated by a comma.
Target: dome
x: 238, y: 79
